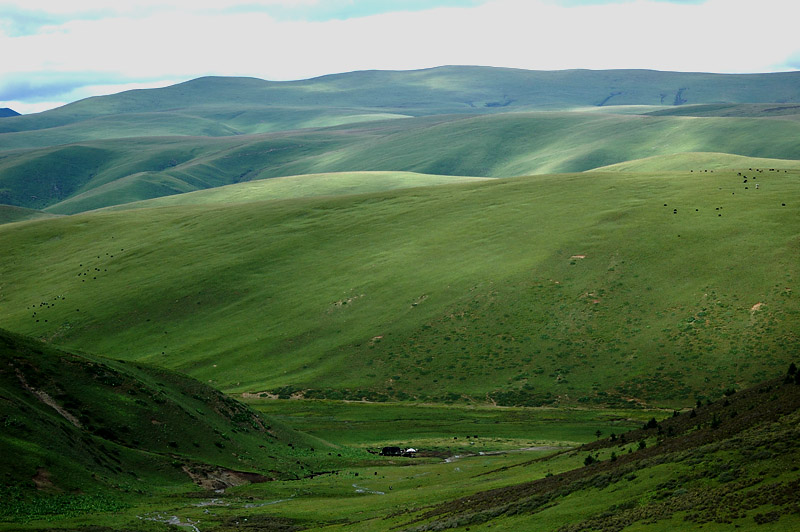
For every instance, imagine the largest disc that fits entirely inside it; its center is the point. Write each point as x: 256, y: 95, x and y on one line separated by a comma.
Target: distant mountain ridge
x: 6, y: 112
x: 447, y: 89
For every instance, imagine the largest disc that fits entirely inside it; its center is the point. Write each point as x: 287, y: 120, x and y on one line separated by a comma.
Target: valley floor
x: 488, y: 468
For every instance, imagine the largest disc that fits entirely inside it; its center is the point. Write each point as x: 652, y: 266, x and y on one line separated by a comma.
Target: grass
x: 516, y: 323
x: 227, y: 106
x: 455, y: 121
x: 450, y: 429
x: 10, y: 214
x: 82, y: 434
x: 309, y: 185
x: 697, y: 161
x: 408, y: 295
x: 92, y: 175
x: 732, y: 462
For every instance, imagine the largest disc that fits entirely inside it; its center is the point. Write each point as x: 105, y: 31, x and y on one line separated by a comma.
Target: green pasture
x: 333, y: 184
x: 471, y: 122
x: 231, y: 106
x: 699, y: 162
x: 449, y: 429
x: 227, y: 294
x: 565, y: 289
x: 92, y: 175
x: 698, y: 477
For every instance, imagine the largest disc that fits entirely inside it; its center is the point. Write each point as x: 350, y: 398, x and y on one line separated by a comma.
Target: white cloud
x: 186, y: 40
x: 137, y: 6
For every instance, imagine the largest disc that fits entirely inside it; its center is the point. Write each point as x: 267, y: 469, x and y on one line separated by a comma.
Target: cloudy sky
x: 58, y: 51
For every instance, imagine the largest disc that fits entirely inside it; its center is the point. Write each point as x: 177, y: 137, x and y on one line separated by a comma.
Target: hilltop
x: 5, y: 112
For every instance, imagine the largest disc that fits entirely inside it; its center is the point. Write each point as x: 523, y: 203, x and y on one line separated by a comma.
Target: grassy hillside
x: 224, y: 106
x: 9, y: 214
x: 535, y: 290
x: 302, y: 186
x: 534, y: 143
x: 88, y: 176
x: 698, y: 162
x: 790, y: 111
x: 83, y: 434
x: 715, y: 466
x: 731, y: 463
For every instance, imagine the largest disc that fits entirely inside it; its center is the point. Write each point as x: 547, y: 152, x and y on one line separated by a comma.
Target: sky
x: 56, y: 51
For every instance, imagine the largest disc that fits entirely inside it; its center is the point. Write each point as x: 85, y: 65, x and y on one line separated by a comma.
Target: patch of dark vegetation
x: 607, y: 98
x: 501, y: 103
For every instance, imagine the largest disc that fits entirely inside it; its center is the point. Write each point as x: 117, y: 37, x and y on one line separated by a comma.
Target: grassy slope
x: 88, y: 176
x: 246, y: 105
x: 698, y: 162
x: 733, y: 462
x: 534, y: 143
x: 308, y: 185
x: 790, y: 111
x: 9, y: 214
x: 90, y: 433
x: 435, y: 292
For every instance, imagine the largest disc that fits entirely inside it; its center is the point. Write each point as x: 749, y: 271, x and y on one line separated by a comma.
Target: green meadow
x: 612, y: 288
x: 67, y: 179
x: 574, y: 293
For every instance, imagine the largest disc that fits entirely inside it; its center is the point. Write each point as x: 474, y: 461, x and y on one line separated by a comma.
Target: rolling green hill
x: 456, y: 121
x: 302, y: 186
x: 315, y: 248
x: 83, y: 434
x: 731, y: 464
x: 9, y: 214
x: 80, y: 177
x: 698, y: 162
x: 596, y: 287
x: 225, y: 106
x: 790, y: 111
